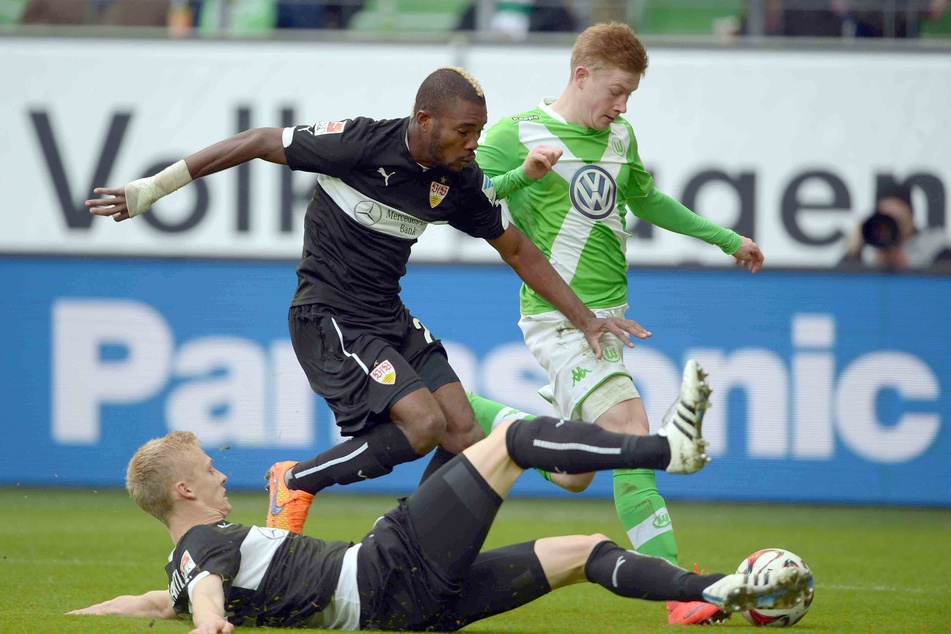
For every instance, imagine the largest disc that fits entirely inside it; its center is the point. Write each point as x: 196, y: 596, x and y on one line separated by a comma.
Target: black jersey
x: 372, y: 203
x: 270, y: 576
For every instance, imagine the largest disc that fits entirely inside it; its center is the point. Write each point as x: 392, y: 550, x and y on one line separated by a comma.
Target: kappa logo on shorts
x: 578, y: 374
x: 437, y: 192
x: 188, y: 564
x: 384, y: 373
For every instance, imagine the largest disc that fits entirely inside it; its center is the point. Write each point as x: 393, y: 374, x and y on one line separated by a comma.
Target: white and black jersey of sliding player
x: 270, y: 576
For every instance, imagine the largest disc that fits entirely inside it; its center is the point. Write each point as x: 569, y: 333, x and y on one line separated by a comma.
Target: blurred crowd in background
x: 502, y: 19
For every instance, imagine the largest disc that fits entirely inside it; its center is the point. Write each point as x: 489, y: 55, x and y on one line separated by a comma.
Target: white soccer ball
x: 772, y: 559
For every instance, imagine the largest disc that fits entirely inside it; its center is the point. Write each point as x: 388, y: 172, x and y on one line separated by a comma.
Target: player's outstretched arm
x: 208, y: 606
x: 536, y: 271
x: 156, y: 604
x: 663, y: 211
x: 122, y: 203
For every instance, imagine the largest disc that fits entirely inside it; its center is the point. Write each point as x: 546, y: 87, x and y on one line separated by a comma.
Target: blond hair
x: 609, y: 45
x: 154, y: 470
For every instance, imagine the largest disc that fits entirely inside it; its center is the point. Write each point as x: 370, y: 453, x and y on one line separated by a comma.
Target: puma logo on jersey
x: 620, y: 561
x: 386, y: 177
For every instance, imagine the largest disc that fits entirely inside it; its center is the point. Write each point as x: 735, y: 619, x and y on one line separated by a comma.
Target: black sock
x: 440, y: 457
x: 363, y: 457
x: 570, y: 447
x: 629, y: 574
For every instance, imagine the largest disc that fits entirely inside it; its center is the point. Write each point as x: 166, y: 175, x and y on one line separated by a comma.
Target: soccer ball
x: 772, y: 559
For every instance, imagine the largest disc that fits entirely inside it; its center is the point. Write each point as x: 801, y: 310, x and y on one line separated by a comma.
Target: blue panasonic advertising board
x: 827, y: 387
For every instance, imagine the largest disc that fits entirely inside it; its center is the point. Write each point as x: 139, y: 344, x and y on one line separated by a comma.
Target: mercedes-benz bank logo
x: 368, y: 213
x: 593, y: 192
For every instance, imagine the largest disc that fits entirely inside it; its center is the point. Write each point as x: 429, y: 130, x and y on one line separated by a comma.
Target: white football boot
x: 774, y: 589
x: 681, y: 425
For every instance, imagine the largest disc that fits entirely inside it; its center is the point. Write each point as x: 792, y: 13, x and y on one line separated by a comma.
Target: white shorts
x: 573, y: 370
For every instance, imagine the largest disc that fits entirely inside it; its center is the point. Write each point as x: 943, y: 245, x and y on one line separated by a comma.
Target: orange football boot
x: 694, y: 612
x: 288, y: 508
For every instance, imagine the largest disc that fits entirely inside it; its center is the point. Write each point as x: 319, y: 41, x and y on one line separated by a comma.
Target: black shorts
x: 362, y: 369
x: 421, y: 567
x: 399, y: 588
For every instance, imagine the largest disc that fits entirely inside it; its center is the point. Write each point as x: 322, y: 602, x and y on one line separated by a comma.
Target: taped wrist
x: 142, y: 193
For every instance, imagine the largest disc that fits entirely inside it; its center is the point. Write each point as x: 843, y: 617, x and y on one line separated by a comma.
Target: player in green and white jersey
x: 576, y: 216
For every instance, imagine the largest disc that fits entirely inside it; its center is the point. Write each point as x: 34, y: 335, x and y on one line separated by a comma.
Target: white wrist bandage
x: 142, y: 193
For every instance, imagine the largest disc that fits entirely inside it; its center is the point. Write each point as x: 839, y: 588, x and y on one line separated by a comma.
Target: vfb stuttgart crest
x: 437, y: 191
x: 384, y: 373
x: 593, y: 192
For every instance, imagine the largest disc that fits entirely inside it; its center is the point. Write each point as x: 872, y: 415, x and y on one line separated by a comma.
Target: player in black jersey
x: 380, y: 184
x: 420, y: 567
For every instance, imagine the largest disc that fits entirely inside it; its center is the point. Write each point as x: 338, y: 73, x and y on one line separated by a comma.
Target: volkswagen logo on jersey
x: 593, y: 192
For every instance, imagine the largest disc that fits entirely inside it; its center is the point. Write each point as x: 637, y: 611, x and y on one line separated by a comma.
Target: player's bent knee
x: 502, y: 427
x: 432, y: 429
x: 597, y: 538
x: 573, y: 482
x: 459, y: 439
x: 425, y: 431
x: 564, y: 558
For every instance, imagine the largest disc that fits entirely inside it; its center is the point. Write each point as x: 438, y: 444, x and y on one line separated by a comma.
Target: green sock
x: 489, y: 414
x: 643, y: 513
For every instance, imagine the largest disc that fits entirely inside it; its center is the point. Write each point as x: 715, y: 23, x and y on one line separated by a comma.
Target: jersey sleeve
x: 500, y: 156
x: 660, y: 209
x: 326, y: 147
x: 480, y: 215
x: 511, y: 181
x: 649, y: 203
x: 640, y: 183
x: 202, y: 552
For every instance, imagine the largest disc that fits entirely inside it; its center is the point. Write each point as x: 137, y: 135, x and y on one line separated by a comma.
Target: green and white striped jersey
x: 576, y: 213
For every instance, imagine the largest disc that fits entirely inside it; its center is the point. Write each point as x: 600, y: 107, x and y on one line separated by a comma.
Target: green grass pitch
x: 877, y: 570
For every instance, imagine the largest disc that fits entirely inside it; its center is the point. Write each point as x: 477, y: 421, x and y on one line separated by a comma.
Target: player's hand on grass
x: 126, y: 605
x: 748, y: 255
x: 213, y: 626
x: 100, y: 608
x: 540, y: 160
x: 156, y: 604
x: 623, y: 329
